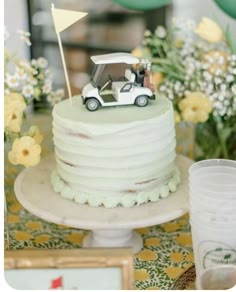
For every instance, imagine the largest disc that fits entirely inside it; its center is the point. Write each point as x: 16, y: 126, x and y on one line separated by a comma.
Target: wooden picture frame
x: 104, y: 262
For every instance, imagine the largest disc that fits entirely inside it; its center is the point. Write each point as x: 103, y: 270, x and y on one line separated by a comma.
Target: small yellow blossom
x: 209, y: 30
x: 174, y: 272
x: 22, y: 236
x: 195, y: 107
x: 42, y: 238
x: 147, y: 255
x: 152, y: 241
x: 212, y: 58
x: 184, y: 239
x: 140, y: 52
x: 14, y: 106
x: 176, y: 257
x: 141, y: 275
x: 157, y: 79
x: 25, y: 151
x: 75, y: 237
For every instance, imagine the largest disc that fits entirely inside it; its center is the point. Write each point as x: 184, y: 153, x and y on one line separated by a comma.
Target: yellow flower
x: 190, y: 257
x: 34, y: 225
x: 157, y: 79
x: 35, y: 133
x: 184, y: 239
x: 25, y: 151
x: 75, y: 238
x: 11, y: 219
x: 14, y: 106
x: 195, y: 107
x: 174, y: 272
x: 211, y: 59
x: 152, y: 241
x: 176, y: 117
x: 170, y: 227
x: 176, y: 257
x: 22, y: 236
x: 209, y: 30
x: 140, y: 52
x: 144, y: 230
x: 141, y: 275
x: 147, y: 255
x: 42, y: 238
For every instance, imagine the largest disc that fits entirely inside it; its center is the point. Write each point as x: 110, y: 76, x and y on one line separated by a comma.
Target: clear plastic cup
x: 221, y: 277
x: 212, y: 247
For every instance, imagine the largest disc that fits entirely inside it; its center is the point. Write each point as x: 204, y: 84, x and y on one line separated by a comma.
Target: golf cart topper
x: 115, y: 58
x: 129, y: 88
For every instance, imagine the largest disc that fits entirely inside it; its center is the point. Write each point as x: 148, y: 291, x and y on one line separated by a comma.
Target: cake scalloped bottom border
x: 125, y: 200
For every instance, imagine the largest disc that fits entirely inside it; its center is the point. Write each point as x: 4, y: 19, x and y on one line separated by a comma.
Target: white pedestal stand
x: 110, y: 227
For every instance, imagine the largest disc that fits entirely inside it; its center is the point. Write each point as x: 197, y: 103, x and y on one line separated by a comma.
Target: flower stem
x: 219, y: 131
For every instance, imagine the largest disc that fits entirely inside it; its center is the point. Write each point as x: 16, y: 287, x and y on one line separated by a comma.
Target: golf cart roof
x: 115, y: 58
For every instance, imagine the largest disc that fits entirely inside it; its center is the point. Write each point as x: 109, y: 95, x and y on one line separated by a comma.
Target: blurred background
x: 111, y: 26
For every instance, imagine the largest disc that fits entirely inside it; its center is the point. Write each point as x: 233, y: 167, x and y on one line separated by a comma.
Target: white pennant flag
x: 64, y: 18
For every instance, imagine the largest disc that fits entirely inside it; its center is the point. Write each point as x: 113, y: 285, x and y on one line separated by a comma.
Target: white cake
x: 116, y: 156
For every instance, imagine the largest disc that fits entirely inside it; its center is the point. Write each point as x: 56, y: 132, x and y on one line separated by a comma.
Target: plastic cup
x: 213, y: 175
x: 220, y: 277
x: 212, y: 247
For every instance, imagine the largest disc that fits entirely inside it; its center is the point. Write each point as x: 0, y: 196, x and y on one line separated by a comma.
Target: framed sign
x: 80, y: 269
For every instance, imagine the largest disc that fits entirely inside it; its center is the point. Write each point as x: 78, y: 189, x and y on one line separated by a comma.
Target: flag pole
x: 63, y: 63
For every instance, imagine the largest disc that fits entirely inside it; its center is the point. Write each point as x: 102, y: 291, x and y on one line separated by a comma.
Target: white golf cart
x: 131, y: 87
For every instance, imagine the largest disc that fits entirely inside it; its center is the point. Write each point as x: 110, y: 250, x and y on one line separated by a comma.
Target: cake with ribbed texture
x: 116, y: 156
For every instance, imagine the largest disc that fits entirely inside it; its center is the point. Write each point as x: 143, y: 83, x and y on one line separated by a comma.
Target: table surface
x: 167, y: 251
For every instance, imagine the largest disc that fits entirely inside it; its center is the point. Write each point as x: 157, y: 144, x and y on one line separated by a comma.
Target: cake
x: 116, y: 156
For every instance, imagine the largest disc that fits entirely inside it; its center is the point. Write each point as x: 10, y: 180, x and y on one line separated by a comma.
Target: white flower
x: 229, y: 78
x: 20, y: 73
x: 24, y: 36
x: 47, y: 87
x: 147, y: 33
x: 53, y: 98
x: 233, y: 88
x: 12, y: 80
x: 25, y: 64
x: 217, y: 80
x: 60, y: 93
x: 32, y: 80
x: 34, y: 62
x: 28, y: 91
x: 160, y: 32
x: 42, y: 62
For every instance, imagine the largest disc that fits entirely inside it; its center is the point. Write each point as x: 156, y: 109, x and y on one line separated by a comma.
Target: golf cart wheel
x: 141, y: 100
x: 92, y: 104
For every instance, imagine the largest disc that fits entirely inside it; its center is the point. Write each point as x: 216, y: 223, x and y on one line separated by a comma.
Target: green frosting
x: 127, y: 200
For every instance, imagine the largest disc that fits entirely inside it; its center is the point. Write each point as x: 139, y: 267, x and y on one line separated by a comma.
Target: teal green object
x: 228, y: 6
x: 142, y: 4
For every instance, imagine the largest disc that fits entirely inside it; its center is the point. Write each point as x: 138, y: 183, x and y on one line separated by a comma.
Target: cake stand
x: 109, y: 227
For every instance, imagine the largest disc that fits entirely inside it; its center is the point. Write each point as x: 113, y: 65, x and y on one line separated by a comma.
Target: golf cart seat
x: 129, y: 75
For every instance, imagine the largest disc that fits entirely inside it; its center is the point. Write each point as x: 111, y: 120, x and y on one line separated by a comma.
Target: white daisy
x: 160, y: 32
x: 42, y: 62
x: 20, y: 73
x: 12, y: 80
x: 147, y: 33
x: 28, y: 91
x: 47, y: 87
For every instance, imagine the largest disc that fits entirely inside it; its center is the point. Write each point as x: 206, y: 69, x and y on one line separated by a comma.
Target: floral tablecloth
x: 167, y: 251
